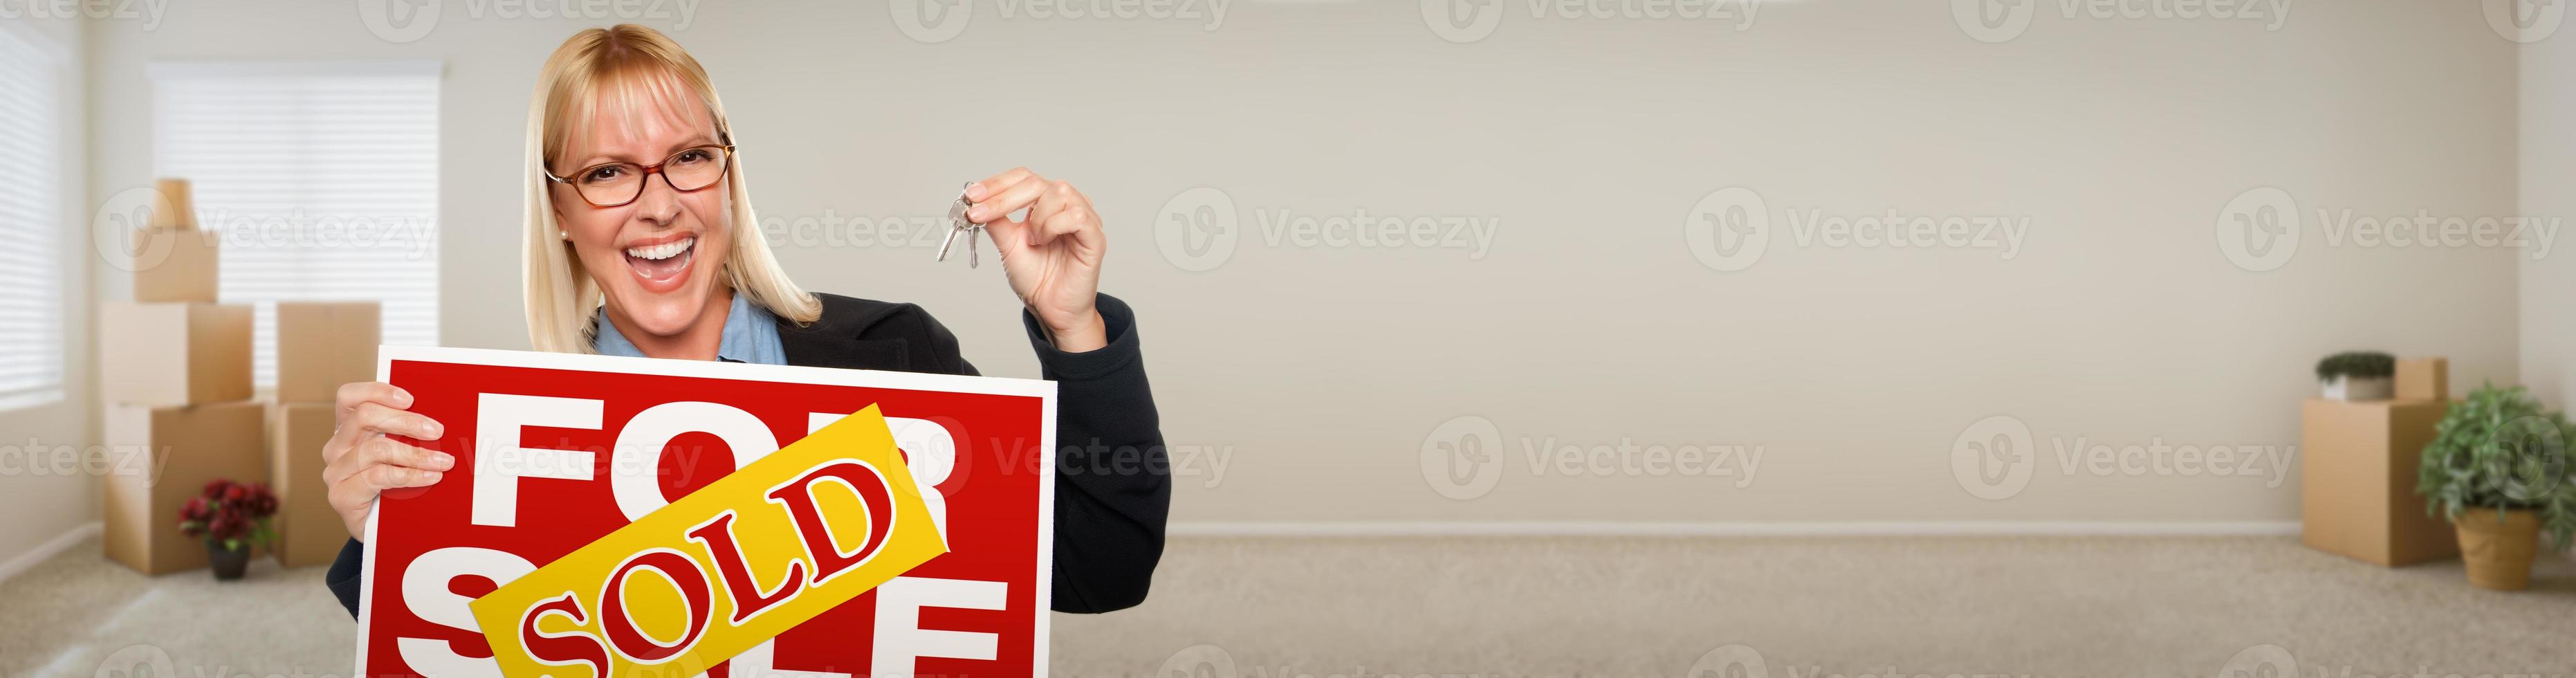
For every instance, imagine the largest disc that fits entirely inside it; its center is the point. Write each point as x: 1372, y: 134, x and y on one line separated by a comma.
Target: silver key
x: 958, y: 225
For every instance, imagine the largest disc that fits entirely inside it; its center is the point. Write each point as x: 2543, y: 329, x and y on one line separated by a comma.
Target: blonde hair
x: 633, y: 63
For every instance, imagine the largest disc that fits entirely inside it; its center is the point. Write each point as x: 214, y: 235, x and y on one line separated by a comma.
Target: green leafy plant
x: 2356, y: 364
x: 2500, y: 449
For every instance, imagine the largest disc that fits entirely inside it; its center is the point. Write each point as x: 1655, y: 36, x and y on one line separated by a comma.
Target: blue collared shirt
x: 750, y: 335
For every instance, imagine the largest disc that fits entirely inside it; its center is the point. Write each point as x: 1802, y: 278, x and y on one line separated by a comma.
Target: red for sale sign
x: 555, y: 451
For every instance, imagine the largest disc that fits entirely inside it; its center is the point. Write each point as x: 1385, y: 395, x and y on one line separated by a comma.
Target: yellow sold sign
x: 747, y: 557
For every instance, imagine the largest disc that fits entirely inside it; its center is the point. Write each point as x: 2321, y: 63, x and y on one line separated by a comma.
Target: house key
x: 958, y: 225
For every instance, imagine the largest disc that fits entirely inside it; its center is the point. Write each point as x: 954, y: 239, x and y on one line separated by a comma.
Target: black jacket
x: 1108, y: 525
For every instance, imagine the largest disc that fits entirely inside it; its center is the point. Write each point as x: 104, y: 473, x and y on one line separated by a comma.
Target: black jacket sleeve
x: 1113, y: 478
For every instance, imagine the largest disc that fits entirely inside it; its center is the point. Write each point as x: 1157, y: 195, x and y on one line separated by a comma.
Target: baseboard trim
x: 1730, y: 529
x: 58, y: 544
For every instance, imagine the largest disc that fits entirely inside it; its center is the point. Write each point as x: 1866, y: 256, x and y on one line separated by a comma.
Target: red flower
x: 227, y: 510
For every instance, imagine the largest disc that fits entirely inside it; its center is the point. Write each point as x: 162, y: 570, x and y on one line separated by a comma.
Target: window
x: 321, y: 179
x: 31, y: 223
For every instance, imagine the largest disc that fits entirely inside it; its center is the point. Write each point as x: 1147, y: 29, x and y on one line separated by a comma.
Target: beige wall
x: 1317, y: 372
x: 42, y: 435
x: 2548, y: 186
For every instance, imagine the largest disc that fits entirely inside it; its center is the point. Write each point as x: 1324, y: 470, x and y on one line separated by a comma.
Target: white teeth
x: 662, y: 251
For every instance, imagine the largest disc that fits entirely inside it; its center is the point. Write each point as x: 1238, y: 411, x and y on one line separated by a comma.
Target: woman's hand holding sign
x: 362, y: 461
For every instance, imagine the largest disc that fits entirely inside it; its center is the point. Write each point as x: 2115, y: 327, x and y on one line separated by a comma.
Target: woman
x: 641, y: 242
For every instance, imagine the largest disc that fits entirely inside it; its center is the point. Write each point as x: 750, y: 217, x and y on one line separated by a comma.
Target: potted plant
x: 2498, y: 470
x: 2357, y: 375
x: 231, y: 517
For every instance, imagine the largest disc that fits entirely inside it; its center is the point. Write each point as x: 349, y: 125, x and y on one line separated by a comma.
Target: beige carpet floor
x: 1378, y: 607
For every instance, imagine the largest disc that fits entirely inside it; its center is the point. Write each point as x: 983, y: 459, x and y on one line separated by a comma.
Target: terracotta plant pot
x: 229, y: 563
x: 2498, y: 552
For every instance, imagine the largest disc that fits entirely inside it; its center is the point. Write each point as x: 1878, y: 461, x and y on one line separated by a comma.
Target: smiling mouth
x: 662, y: 267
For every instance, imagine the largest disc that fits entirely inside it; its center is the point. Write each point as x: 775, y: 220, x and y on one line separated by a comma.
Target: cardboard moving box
x: 321, y: 345
x: 173, y: 265
x: 158, y: 355
x: 158, y: 457
x: 2357, y: 482
x: 2423, y: 379
x: 172, y: 260
x: 308, y: 531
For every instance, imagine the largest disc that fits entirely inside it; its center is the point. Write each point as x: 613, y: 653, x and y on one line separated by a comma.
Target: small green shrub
x: 2356, y: 364
x: 2501, y: 449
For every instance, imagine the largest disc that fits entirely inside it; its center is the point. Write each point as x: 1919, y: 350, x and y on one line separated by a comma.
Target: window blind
x: 31, y: 222
x: 321, y: 180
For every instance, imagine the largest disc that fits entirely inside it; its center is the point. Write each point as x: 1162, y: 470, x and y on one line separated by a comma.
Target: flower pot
x: 2498, y: 552
x: 229, y: 563
x: 2351, y: 388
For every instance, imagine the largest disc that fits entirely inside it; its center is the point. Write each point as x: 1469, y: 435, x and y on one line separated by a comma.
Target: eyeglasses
x: 617, y: 183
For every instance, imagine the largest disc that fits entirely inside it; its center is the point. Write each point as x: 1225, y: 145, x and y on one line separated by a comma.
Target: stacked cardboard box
x: 2357, y: 482
x: 172, y: 259
x: 174, y: 370
x: 320, y: 345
